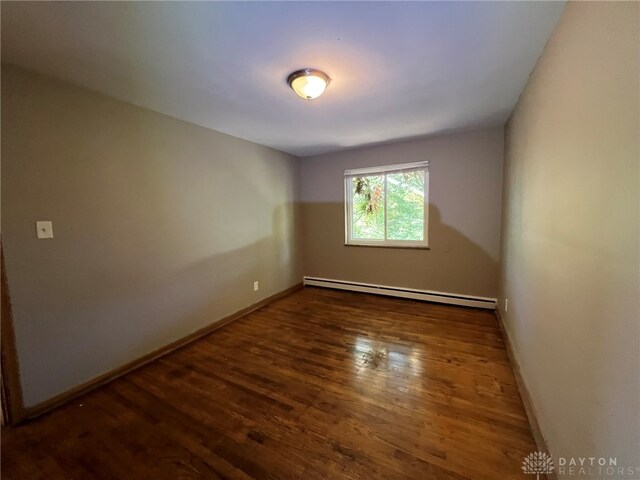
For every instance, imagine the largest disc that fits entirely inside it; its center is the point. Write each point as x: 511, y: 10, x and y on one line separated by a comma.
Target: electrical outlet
x: 506, y: 305
x: 256, y: 286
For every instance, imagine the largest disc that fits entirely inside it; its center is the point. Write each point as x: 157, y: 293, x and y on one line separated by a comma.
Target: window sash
x: 384, y: 170
x: 400, y: 167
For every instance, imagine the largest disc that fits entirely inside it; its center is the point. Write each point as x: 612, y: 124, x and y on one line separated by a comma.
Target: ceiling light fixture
x: 308, y: 83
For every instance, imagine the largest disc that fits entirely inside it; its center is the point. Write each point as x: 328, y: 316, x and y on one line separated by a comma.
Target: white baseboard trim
x: 426, y: 295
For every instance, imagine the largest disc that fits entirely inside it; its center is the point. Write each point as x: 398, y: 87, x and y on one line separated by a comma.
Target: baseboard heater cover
x: 426, y: 295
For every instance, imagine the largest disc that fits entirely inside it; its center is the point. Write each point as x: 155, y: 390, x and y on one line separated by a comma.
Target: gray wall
x: 160, y: 227
x: 464, y: 217
x: 570, y: 263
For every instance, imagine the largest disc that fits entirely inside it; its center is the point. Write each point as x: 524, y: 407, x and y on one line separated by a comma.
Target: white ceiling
x: 398, y: 70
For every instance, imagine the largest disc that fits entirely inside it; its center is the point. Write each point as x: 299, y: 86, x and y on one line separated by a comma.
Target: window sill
x: 404, y: 247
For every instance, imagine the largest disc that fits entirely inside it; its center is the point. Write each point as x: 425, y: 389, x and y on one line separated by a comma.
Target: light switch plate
x: 44, y: 229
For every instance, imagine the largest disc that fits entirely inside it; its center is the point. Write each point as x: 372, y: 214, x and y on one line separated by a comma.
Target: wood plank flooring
x: 321, y: 384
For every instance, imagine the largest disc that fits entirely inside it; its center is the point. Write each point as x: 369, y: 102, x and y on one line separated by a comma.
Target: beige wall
x: 571, y: 236
x: 464, y: 219
x: 160, y: 227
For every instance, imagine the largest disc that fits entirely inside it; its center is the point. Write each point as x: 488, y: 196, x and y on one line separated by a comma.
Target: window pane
x: 405, y: 205
x: 367, y: 221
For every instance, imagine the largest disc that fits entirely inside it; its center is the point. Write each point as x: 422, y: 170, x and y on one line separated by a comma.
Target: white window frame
x: 384, y: 170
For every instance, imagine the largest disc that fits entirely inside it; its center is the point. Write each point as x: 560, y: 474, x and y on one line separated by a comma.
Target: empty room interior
x: 320, y: 240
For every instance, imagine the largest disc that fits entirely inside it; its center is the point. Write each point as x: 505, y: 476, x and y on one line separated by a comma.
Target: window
x: 387, y: 206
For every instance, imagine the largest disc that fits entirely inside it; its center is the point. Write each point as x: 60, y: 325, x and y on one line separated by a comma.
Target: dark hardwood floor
x: 319, y: 385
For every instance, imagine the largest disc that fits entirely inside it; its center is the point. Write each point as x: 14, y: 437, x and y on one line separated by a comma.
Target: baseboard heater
x: 426, y: 295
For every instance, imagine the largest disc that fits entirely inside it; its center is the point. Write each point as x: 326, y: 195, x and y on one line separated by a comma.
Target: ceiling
x: 398, y: 70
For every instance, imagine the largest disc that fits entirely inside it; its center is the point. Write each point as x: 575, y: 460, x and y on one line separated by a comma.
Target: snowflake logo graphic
x: 538, y: 463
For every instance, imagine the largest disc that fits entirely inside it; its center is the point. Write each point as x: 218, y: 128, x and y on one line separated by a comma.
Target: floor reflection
x: 385, y: 364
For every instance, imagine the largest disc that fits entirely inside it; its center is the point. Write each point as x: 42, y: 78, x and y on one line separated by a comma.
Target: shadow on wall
x: 63, y: 344
x: 453, y: 263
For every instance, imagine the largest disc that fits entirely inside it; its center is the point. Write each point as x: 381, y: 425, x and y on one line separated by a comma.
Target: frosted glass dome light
x: 308, y: 83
